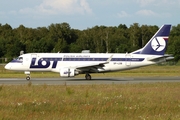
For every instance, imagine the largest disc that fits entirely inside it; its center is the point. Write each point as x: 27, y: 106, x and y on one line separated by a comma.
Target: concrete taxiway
x: 81, y: 81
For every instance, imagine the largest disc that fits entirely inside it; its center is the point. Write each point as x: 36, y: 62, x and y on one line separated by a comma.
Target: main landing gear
x: 27, y: 75
x: 88, y: 76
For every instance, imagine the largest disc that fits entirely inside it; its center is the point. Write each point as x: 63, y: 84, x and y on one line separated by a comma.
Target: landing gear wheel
x: 27, y: 75
x: 88, y: 77
x: 28, y: 78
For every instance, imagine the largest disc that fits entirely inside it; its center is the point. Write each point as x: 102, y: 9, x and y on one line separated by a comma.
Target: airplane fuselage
x: 56, y: 61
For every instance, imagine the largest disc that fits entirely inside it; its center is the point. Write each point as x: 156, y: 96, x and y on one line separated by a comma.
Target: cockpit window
x: 19, y: 58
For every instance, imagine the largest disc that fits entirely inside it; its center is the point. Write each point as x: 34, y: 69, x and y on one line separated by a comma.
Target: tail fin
x: 158, y: 43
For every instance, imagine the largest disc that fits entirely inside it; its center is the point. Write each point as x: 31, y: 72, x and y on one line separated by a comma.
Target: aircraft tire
x: 28, y: 78
x: 88, y: 77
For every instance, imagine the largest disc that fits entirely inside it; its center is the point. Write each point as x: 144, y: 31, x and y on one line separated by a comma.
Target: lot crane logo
x: 158, y: 44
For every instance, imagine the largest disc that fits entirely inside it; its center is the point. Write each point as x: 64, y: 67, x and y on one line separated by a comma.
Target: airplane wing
x: 92, y: 66
x: 96, y: 64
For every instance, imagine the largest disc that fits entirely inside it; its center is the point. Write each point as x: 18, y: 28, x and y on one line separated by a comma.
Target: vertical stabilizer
x: 158, y: 43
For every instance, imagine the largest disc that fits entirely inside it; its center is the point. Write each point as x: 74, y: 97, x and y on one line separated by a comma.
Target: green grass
x: 152, y: 101
x: 142, y: 101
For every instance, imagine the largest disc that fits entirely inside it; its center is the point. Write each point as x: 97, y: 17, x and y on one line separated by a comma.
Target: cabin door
x: 128, y: 59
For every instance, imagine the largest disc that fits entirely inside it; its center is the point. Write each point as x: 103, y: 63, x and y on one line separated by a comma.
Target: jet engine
x: 68, y: 72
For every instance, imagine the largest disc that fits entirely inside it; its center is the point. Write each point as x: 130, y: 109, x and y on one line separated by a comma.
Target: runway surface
x: 81, y: 81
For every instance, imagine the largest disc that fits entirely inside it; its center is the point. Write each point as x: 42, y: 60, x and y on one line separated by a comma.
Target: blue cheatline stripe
x: 51, y: 59
x: 86, y: 59
x: 104, y: 59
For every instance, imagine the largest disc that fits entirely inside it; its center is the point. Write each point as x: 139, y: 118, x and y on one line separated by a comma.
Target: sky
x: 83, y: 14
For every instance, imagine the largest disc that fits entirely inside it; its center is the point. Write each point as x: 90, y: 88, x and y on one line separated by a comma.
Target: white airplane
x: 72, y: 64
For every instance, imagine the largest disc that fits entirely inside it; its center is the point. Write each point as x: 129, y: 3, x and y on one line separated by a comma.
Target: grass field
x: 155, y: 101
x: 142, y: 101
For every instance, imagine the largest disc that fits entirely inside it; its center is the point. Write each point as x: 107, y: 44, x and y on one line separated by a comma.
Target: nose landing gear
x: 28, y: 78
x: 27, y: 75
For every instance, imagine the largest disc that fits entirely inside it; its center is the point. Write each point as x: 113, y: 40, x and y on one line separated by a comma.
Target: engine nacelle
x: 68, y: 72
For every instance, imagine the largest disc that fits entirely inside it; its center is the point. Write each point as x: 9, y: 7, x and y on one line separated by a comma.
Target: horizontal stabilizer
x: 165, y: 57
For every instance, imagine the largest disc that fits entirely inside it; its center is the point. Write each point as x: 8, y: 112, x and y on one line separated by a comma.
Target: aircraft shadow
x: 97, y: 79
x: 81, y: 79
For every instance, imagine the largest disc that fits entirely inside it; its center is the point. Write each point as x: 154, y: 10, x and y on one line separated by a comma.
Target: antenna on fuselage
x: 85, y: 51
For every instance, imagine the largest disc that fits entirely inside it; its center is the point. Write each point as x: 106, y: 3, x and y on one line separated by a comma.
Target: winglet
x: 109, y: 59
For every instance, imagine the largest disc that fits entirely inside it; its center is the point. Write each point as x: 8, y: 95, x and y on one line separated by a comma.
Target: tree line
x: 62, y: 38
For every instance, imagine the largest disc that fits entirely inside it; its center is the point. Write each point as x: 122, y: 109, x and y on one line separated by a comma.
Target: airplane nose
x: 8, y: 66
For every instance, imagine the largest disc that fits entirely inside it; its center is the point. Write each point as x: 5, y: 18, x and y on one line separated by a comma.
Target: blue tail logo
x: 157, y: 44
